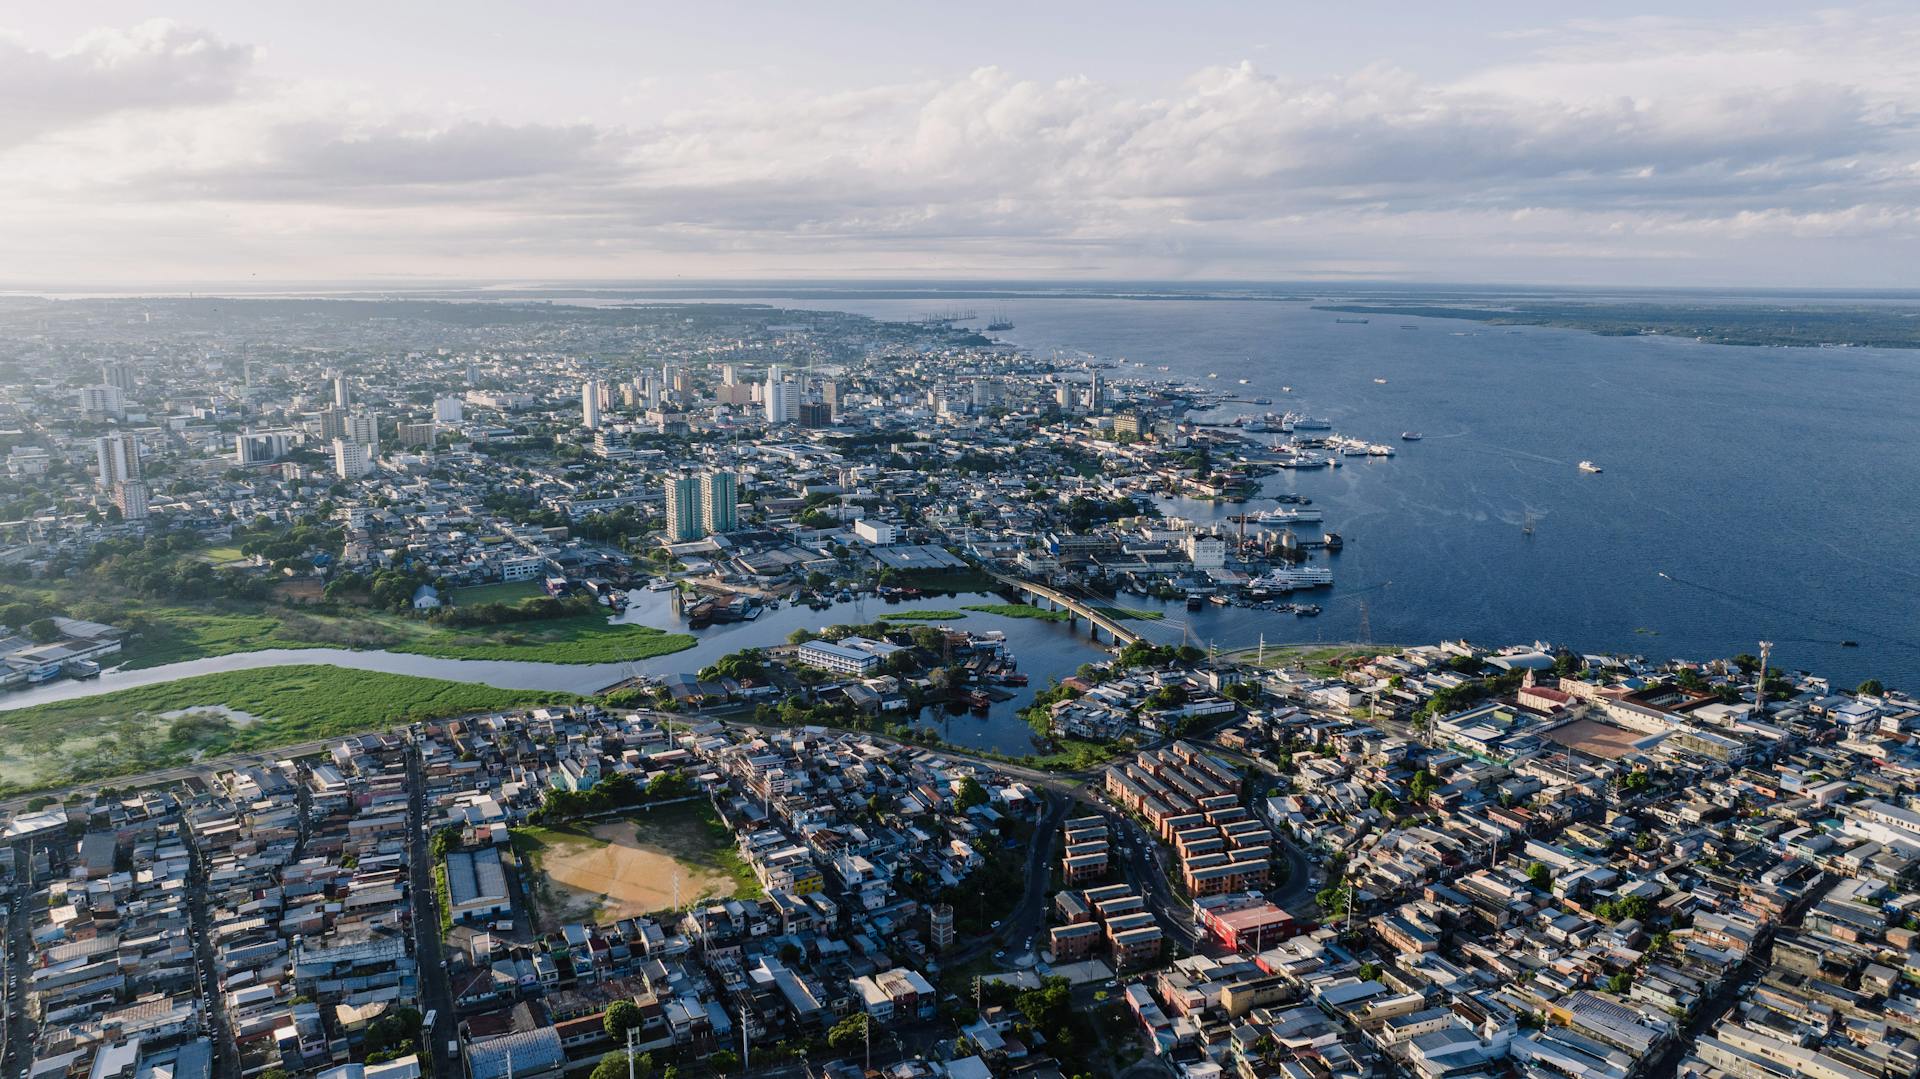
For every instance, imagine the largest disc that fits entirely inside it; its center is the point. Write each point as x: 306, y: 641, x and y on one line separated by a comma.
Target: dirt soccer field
x: 623, y: 868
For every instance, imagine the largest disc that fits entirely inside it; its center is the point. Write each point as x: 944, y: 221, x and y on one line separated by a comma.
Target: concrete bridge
x: 1053, y: 599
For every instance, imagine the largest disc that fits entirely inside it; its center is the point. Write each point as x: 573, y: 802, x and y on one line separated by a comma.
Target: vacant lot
x: 627, y: 866
x: 508, y: 592
x: 1595, y: 738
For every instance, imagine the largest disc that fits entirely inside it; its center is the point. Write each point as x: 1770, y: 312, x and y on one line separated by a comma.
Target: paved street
x: 435, y: 994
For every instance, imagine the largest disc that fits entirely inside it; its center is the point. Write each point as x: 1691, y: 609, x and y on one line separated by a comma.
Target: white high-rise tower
x: 590, y: 405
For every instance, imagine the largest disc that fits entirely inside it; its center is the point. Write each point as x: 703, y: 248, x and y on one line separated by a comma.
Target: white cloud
x: 1655, y: 140
x: 154, y: 66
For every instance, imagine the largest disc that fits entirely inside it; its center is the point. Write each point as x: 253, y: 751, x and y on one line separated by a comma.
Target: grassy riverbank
x: 585, y: 639
x: 173, y: 723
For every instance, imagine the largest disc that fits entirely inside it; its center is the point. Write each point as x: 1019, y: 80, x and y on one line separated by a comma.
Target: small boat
x: 1194, y: 602
x: 1380, y: 381
x: 1244, y: 381
x: 1849, y: 644
x: 1409, y: 436
x: 1526, y: 526
x: 1350, y: 322
x: 1286, y: 389
x: 1589, y: 466
x: 1213, y: 374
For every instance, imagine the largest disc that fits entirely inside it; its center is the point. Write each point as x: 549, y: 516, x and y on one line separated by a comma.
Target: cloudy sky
x: 1748, y: 143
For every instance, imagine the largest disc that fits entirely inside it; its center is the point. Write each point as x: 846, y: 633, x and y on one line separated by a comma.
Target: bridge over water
x: 1052, y: 598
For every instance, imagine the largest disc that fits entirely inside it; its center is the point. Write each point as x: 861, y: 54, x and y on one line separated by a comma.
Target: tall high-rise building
x: 830, y: 393
x: 590, y: 404
x: 252, y: 447
x: 342, y: 389
x: 729, y: 375
x: 119, y: 456
x: 683, y: 509
x: 117, y: 374
x: 447, y: 410
x: 782, y: 397
x: 719, y: 502
x: 97, y: 402
x: 333, y: 423
x: 351, y: 460
x: 815, y: 414
x: 364, y: 427
x: 130, y: 498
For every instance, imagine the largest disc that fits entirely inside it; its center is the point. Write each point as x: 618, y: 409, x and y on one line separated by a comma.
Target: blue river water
x: 1778, y: 489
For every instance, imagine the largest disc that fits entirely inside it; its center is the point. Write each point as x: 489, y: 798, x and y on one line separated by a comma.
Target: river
x: 1773, y: 486
x: 1043, y: 649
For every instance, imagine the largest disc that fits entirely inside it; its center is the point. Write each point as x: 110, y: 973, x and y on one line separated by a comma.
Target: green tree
x: 620, y: 1017
x: 848, y: 1032
x: 972, y: 793
x: 614, y: 1066
x: 1540, y: 876
x: 1872, y: 687
x: 724, y: 1061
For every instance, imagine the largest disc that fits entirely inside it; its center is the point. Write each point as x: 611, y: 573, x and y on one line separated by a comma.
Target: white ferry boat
x: 1589, y: 466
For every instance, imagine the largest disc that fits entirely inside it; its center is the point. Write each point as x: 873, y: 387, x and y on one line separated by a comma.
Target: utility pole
x: 1760, y: 681
x: 630, y: 1053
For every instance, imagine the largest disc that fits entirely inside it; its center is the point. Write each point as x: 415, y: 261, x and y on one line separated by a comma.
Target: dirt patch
x: 623, y: 868
x: 1596, y: 739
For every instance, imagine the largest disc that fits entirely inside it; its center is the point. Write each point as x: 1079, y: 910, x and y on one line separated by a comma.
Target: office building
x: 447, y: 410
x: 816, y: 414
x: 342, y: 389
x: 118, y: 375
x: 351, y: 460
x: 590, y: 404
x: 418, y: 434
x: 259, y: 447
x: 119, y: 459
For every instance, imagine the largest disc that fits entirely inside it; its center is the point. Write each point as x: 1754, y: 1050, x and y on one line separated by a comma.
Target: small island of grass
x: 1020, y: 610
x: 922, y: 616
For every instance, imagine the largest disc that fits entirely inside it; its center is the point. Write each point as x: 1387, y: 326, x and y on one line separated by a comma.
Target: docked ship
x: 1298, y: 422
x: 1278, y: 517
x: 1289, y: 578
x: 1589, y: 466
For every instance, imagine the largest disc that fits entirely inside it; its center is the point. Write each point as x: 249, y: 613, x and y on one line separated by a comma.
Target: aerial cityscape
x: 718, y: 550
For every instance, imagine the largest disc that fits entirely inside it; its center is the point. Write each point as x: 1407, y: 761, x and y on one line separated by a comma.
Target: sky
x: 1707, y: 144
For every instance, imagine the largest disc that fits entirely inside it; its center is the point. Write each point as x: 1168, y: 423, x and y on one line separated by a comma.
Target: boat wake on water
x: 1735, y: 597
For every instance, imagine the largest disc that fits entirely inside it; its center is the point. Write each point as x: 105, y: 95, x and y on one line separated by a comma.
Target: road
x: 17, y: 1031
x: 435, y: 994
x: 1030, y: 913
x: 226, y: 1055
